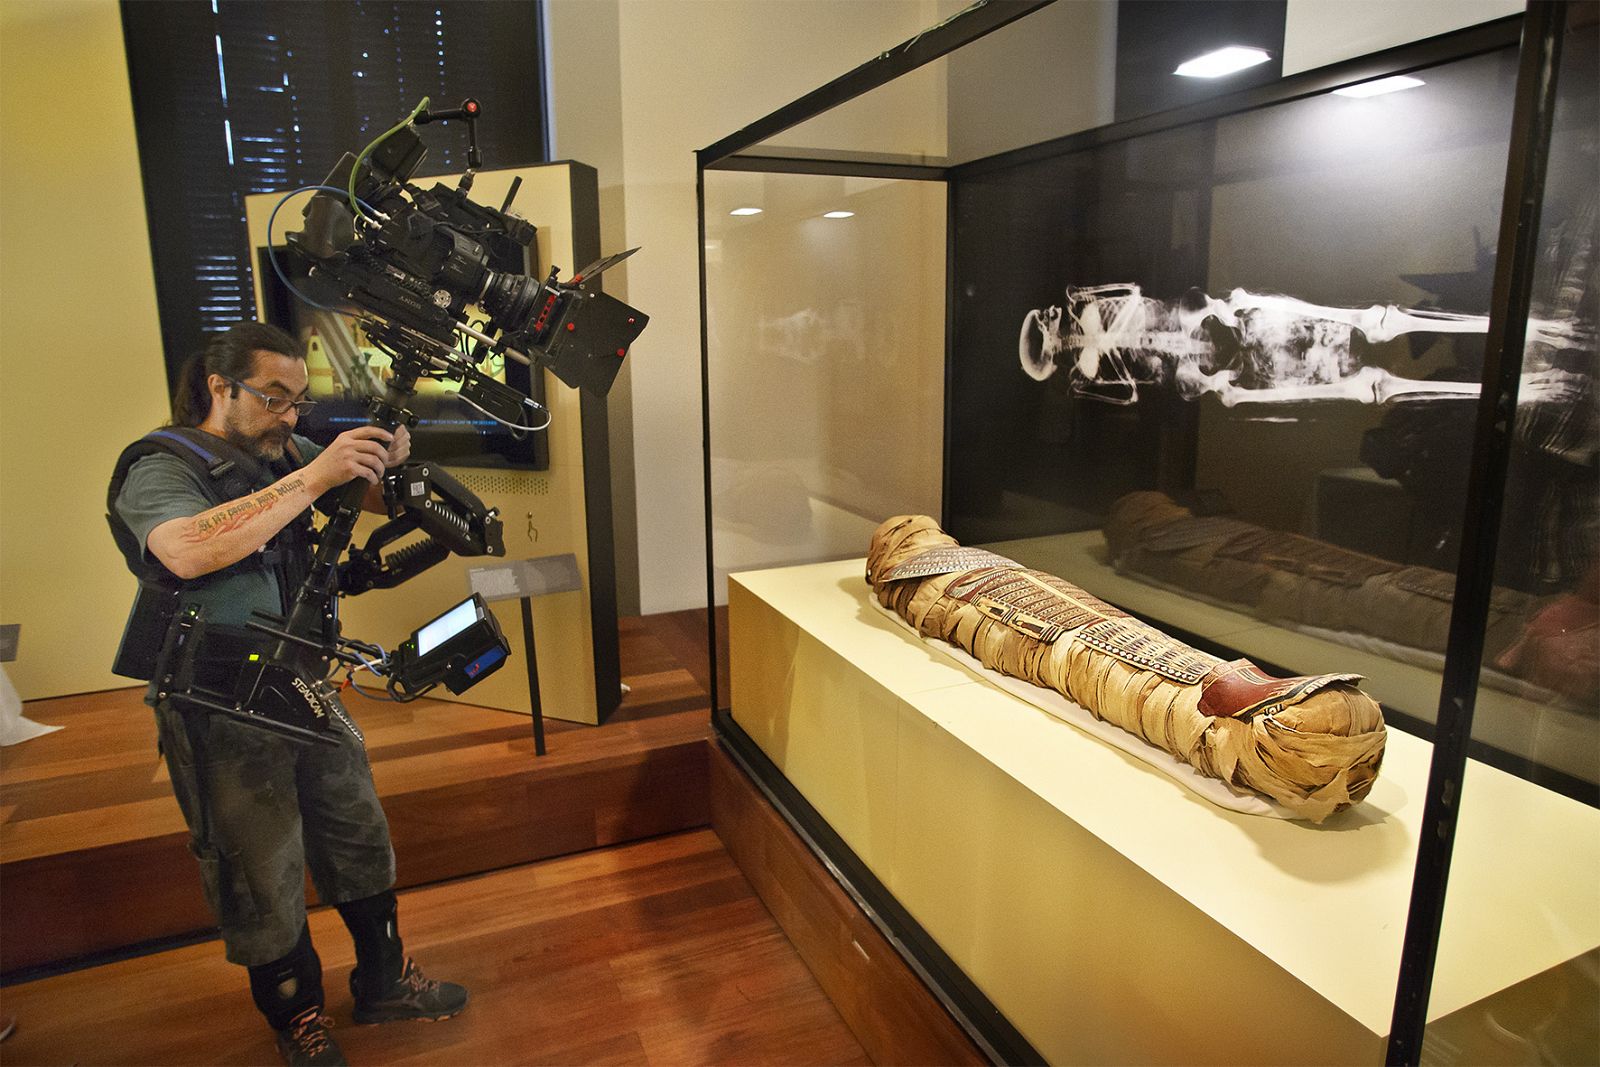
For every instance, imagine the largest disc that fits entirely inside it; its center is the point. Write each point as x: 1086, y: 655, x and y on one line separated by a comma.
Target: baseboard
x: 883, y: 1001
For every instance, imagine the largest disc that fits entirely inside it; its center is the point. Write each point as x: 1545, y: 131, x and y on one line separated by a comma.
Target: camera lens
x: 510, y: 299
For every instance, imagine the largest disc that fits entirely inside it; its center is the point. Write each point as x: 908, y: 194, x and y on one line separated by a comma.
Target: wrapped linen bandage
x: 1313, y: 744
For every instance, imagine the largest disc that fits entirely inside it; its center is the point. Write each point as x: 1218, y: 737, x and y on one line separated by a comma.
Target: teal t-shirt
x: 162, y: 487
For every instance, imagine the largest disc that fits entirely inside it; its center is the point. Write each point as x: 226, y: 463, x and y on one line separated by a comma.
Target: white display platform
x: 1110, y: 914
x: 1564, y: 739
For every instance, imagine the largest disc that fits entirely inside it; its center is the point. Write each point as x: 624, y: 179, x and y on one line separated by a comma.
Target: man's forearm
x: 224, y: 535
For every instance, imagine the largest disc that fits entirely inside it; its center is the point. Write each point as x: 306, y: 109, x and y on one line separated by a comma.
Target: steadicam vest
x: 227, y: 473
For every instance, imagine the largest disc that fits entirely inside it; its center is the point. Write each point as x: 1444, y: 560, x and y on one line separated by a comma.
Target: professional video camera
x: 415, y: 264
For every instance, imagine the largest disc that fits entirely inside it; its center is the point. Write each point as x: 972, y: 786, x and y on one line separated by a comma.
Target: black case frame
x: 1540, y: 32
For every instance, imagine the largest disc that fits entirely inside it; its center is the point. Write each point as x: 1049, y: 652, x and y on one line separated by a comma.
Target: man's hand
x: 359, y: 453
x: 399, y: 447
x: 396, y: 452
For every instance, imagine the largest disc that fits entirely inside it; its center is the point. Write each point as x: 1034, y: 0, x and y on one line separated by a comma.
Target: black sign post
x: 533, y: 676
x: 524, y: 579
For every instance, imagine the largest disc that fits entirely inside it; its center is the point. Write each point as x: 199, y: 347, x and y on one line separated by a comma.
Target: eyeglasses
x: 278, y: 405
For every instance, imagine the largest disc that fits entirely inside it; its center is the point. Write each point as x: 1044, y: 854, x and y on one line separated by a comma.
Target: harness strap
x: 216, y: 466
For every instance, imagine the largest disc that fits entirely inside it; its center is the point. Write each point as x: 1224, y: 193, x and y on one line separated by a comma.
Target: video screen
x: 345, y: 369
x: 447, y: 626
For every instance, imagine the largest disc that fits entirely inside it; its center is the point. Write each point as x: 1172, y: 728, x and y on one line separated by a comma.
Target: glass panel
x: 826, y: 361
x: 1270, y: 327
x: 1543, y: 643
x: 1045, y: 75
x: 1225, y: 377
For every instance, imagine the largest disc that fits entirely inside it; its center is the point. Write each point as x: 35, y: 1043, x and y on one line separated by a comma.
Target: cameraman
x: 262, y: 808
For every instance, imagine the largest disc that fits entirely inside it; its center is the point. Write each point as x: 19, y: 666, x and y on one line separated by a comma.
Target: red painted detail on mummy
x: 1240, y: 689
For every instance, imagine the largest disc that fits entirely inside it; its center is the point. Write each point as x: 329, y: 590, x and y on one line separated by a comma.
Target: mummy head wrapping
x: 1313, y: 744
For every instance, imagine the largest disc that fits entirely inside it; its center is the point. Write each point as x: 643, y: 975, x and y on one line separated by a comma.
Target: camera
x: 417, y: 260
x: 416, y: 265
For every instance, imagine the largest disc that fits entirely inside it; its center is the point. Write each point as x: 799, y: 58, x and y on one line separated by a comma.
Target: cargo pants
x: 263, y: 809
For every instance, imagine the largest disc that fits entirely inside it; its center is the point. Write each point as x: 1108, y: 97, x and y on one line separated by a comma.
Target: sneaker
x: 307, y: 1041
x: 412, y: 996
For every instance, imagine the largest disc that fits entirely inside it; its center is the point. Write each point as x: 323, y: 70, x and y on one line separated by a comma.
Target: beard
x: 267, y: 444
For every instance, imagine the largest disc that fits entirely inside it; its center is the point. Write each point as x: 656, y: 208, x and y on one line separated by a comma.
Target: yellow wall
x: 81, y: 370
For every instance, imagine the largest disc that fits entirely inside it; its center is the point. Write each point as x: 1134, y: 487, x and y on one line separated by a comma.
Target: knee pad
x: 289, y: 985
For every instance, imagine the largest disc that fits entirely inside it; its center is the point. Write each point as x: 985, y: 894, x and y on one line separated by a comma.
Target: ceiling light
x: 745, y: 211
x: 838, y: 214
x: 1380, y: 86
x: 1221, y: 62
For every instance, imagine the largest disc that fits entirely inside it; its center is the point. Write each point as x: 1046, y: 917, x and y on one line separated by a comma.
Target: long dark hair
x: 231, y: 354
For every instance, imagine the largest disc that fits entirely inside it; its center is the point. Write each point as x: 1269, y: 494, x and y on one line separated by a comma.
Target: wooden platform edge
x: 888, y: 1008
x: 81, y: 905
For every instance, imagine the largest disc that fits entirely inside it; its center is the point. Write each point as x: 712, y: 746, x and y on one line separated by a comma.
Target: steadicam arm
x: 425, y: 497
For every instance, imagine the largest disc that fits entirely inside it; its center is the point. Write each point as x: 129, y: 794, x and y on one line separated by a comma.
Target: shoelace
x: 416, y: 980
x: 309, y: 1031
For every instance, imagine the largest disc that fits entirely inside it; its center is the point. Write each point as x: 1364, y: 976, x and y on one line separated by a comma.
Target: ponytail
x: 231, y: 354
x: 191, y: 400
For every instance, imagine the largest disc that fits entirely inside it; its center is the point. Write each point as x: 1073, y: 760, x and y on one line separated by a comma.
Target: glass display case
x: 1302, y: 373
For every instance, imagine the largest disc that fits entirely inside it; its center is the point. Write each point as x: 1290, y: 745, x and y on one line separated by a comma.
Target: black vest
x: 228, y: 473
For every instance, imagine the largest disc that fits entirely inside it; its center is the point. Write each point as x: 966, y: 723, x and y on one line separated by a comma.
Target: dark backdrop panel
x: 1330, y: 200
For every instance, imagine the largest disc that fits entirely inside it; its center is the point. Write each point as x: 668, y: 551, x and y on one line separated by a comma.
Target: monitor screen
x: 446, y: 626
x: 345, y: 369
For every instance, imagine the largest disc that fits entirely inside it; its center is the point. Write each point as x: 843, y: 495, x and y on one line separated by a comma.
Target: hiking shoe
x: 307, y: 1041
x: 412, y: 996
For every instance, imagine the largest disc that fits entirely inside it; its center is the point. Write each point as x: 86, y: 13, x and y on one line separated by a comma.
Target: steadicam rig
x: 416, y: 267
x: 415, y: 262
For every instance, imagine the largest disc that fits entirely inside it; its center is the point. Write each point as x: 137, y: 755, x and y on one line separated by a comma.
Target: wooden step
x: 93, y: 849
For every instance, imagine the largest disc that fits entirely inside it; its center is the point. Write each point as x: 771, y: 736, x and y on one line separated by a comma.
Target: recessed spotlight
x: 1222, y: 62
x: 838, y: 214
x: 1380, y: 86
x: 745, y: 211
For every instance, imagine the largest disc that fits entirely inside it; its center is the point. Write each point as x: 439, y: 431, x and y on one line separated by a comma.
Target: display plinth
x: 1108, y: 913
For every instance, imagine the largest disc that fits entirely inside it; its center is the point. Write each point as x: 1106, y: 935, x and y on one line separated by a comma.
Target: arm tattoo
x: 232, y: 516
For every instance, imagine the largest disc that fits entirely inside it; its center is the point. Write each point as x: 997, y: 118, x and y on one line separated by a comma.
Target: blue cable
x: 273, y: 256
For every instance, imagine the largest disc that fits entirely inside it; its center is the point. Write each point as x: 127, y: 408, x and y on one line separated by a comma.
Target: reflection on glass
x: 826, y: 362
x: 1549, y: 554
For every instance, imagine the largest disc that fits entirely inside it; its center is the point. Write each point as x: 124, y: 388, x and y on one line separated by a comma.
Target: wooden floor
x: 656, y: 952
x: 90, y: 807
x: 651, y: 952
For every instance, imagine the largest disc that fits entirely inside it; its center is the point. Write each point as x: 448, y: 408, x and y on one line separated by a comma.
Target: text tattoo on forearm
x: 237, y: 514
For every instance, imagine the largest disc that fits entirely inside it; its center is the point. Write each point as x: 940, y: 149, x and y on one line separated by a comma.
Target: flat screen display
x: 446, y: 626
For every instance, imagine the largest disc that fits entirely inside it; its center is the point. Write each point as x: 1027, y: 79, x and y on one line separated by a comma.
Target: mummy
x: 1313, y: 744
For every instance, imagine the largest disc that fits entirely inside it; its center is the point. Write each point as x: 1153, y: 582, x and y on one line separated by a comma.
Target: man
x: 262, y: 808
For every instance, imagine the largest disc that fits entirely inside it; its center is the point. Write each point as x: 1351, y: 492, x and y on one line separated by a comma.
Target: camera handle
x: 313, y: 618
x: 471, y: 111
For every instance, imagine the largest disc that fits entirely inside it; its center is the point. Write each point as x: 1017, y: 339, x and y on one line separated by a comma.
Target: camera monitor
x: 460, y: 648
